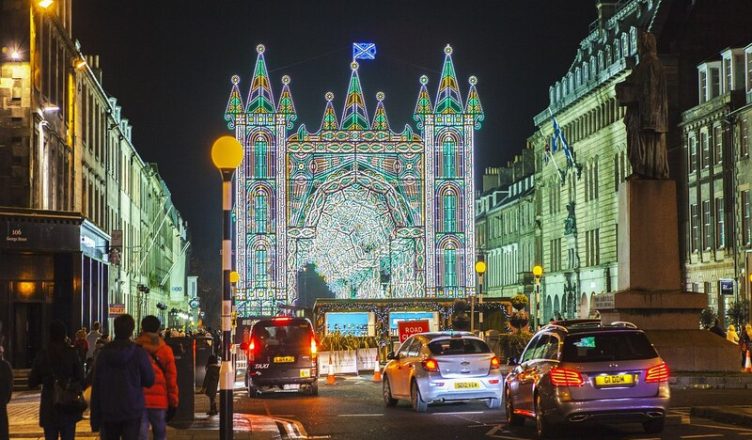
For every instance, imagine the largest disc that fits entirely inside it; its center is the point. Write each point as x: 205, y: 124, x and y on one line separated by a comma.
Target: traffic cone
x: 377, y: 369
x: 330, y: 379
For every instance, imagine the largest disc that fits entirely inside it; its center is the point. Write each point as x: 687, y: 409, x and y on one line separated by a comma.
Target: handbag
x: 68, y: 396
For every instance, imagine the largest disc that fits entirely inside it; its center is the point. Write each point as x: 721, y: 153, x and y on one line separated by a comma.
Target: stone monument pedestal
x: 650, y: 292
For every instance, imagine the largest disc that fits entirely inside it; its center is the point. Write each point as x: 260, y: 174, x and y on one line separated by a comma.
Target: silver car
x: 442, y: 367
x: 582, y: 371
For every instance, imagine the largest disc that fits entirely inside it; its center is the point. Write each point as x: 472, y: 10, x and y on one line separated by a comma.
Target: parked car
x: 583, y: 371
x: 442, y: 367
x: 282, y: 355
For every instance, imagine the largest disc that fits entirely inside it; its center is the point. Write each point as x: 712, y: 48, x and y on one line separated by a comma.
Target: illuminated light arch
x: 358, y: 197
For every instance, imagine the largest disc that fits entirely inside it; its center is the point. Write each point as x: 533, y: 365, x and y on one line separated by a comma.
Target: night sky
x: 169, y: 65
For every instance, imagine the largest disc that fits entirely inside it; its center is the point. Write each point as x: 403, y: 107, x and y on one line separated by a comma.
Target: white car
x: 442, y: 367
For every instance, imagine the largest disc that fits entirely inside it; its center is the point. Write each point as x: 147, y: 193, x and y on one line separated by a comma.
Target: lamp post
x: 226, y: 153
x: 537, y: 274
x: 480, y: 269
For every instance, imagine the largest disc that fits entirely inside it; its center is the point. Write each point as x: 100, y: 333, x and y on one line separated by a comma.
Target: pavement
x: 23, y: 415
x: 734, y: 415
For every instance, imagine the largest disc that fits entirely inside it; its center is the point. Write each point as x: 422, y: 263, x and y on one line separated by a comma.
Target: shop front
x: 52, y: 266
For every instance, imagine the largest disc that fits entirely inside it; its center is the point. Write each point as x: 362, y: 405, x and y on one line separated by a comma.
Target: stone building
x: 78, y: 206
x: 579, y: 197
x: 506, y: 217
x: 716, y: 217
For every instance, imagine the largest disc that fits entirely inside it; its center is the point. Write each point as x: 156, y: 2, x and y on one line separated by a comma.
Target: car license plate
x: 616, y: 380
x: 291, y: 386
x: 283, y: 359
x: 466, y: 385
x: 305, y: 372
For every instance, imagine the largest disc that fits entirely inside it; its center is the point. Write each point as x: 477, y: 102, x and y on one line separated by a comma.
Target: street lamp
x: 227, y: 154
x: 480, y: 269
x: 537, y: 274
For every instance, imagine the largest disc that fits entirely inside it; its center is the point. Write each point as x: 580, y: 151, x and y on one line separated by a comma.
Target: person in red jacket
x: 161, y: 398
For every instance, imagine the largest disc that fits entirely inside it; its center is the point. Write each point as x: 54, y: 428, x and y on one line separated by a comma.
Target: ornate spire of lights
x: 448, y: 99
x: 260, y: 98
x: 473, y: 106
x: 423, y: 106
x: 329, y: 121
x: 234, y: 103
x: 354, y: 115
x: 380, y: 121
x: 286, y: 106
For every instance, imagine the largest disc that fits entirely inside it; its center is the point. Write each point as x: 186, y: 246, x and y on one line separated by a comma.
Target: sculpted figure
x: 644, y: 95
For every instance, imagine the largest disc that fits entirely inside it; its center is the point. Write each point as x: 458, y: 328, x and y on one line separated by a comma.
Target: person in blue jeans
x: 121, y: 371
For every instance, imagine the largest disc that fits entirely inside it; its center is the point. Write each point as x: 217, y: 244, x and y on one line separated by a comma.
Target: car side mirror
x: 391, y: 356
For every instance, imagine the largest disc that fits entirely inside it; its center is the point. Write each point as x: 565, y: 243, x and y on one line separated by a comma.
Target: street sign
x: 193, y: 303
x: 116, y: 309
x: 727, y: 287
x: 603, y: 301
x: 409, y: 328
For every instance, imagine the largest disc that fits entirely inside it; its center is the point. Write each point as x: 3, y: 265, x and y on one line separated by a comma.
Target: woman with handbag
x: 60, y: 372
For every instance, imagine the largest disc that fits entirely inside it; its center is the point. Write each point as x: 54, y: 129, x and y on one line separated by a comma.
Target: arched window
x: 450, y: 267
x: 449, y: 149
x: 259, y: 157
x: 261, y: 211
x: 450, y: 211
x: 260, y: 269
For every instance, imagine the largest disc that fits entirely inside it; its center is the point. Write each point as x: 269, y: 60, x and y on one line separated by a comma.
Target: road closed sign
x: 409, y: 328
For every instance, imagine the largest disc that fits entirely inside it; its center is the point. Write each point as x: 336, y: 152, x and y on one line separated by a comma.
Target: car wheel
x: 512, y: 418
x: 252, y: 390
x: 654, y: 426
x: 315, y: 389
x: 493, y: 403
x: 386, y: 392
x: 419, y: 405
x: 543, y: 428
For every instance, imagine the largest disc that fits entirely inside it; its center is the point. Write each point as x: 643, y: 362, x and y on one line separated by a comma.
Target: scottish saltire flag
x: 560, y: 140
x: 364, y: 51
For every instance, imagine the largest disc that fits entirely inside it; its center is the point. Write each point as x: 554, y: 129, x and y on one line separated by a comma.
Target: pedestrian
x: 121, y: 371
x: 6, y: 389
x: 717, y: 329
x: 55, y: 367
x: 745, y: 344
x: 161, y: 398
x: 732, y: 335
x: 91, y: 340
x: 80, y: 344
x: 211, y: 382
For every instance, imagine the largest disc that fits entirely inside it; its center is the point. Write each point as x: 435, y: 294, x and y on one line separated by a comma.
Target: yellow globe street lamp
x: 537, y: 274
x: 480, y: 270
x: 226, y: 154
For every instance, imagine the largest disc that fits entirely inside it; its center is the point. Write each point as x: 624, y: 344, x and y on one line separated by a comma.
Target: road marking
x: 701, y: 436
x: 360, y: 415
x: 266, y: 408
x: 731, y: 428
x: 457, y: 413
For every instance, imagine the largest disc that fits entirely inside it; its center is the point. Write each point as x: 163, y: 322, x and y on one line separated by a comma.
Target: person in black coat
x: 211, y: 382
x: 121, y: 371
x: 58, y: 361
x: 6, y: 389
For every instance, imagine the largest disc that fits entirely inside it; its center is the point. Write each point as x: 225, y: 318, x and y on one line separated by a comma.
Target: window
x: 450, y: 268
x: 450, y: 212
x: 720, y: 224
x: 718, y: 143
x: 554, y: 197
x: 611, y: 346
x: 455, y: 346
x: 592, y: 247
x: 692, y: 142
x: 555, y: 254
x: 694, y: 235
x: 260, y: 212
x: 744, y: 133
x: 707, y: 231
x: 728, y: 82
x: 715, y: 83
x: 259, y: 157
x: 705, y: 147
x: 260, y: 270
x: 448, y: 152
x: 746, y: 218
x: 703, y: 86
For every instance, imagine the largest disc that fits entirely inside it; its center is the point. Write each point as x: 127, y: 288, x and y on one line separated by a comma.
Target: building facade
x: 378, y: 213
x: 83, y: 220
x: 717, y: 218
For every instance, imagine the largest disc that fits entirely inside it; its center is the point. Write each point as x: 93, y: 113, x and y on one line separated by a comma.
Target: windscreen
x: 457, y: 346
x: 287, y: 334
x: 607, y: 346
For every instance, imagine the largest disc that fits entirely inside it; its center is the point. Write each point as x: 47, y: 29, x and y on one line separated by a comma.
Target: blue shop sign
x: 727, y: 287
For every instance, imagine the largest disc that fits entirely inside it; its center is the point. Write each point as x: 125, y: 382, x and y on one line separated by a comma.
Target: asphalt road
x: 353, y: 409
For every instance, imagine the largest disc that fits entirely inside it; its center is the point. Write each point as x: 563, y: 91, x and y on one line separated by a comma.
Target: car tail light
x: 314, y: 348
x: 563, y: 377
x: 659, y: 373
x: 431, y: 365
x: 495, y: 362
x: 493, y: 381
x: 281, y: 319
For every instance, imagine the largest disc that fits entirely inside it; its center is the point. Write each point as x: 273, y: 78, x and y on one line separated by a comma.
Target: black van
x: 282, y: 355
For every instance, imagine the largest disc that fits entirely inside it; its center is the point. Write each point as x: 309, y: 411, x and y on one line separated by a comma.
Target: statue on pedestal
x: 644, y: 95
